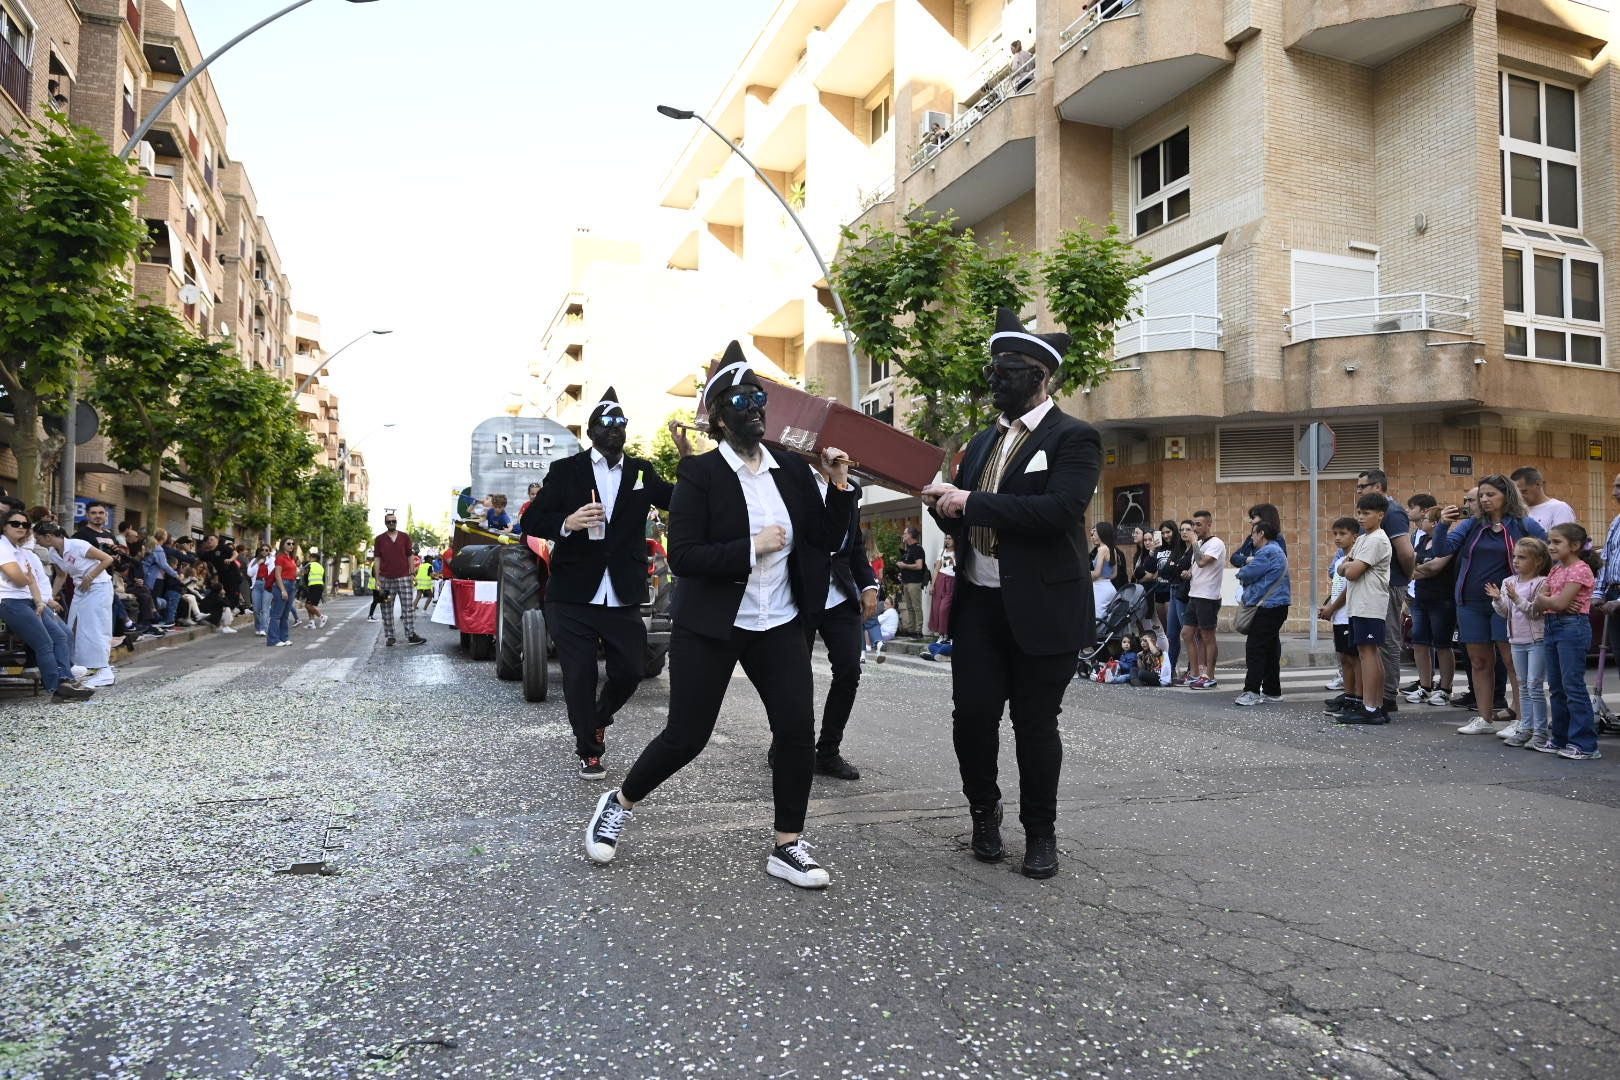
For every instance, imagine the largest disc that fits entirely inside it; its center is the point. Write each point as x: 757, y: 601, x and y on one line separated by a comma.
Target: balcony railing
x: 880, y: 192
x: 1166, y: 333
x: 15, y: 78
x: 1388, y: 314
x: 1016, y: 84
x: 1101, y: 12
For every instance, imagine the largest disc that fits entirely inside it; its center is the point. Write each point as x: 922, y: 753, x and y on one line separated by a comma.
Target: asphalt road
x: 1243, y: 892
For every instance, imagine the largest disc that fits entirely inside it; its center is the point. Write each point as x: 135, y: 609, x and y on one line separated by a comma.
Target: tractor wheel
x: 536, y: 667
x: 466, y: 640
x: 519, y: 592
x: 657, y: 655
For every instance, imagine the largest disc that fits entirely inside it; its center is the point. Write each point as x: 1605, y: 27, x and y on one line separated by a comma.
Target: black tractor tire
x: 481, y: 562
x: 657, y: 656
x: 483, y: 646
x: 519, y: 593
x: 536, y: 665
x: 466, y: 640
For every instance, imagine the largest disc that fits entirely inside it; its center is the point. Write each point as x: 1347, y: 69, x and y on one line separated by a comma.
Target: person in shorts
x: 1204, y: 599
x: 1367, y: 600
x: 1335, y: 612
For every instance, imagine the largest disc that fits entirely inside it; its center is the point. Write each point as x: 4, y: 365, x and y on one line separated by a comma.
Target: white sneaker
x: 607, y: 824
x: 226, y: 630
x: 1477, y: 726
x: 1336, y: 684
x: 258, y: 633
x: 1512, y: 730
x: 78, y: 671
x: 1418, y: 696
x: 282, y: 645
x: 1439, y: 697
x: 1249, y: 697
x: 794, y: 864
x: 99, y: 678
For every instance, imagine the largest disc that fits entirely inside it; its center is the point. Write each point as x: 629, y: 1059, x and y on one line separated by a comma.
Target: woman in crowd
x: 1565, y: 602
x: 1150, y: 559
x: 939, y: 608
x: 30, y: 613
x: 162, y: 579
x: 1180, y: 570
x: 1106, y: 567
x: 1434, y: 617
x: 1264, y: 576
x: 89, y: 620
x: 739, y: 526
x: 1483, y: 547
x: 258, y: 571
x: 283, y: 581
x: 1262, y: 512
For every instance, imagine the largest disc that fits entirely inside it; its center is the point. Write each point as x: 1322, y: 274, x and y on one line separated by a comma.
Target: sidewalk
x: 1297, y: 652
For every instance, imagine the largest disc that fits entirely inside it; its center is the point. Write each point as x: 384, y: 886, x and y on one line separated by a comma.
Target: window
x: 876, y: 371
x: 17, y: 31
x: 1180, y: 308
x: 1271, y: 452
x: 1163, y: 179
x: 1540, y: 152
x: 1552, y: 299
x: 877, y: 120
x: 1334, y: 296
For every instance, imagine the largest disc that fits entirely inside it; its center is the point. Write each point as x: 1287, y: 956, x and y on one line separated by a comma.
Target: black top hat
x: 1011, y: 337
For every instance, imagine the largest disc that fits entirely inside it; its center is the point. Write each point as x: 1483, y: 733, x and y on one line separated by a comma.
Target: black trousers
x: 577, y: 628
x: 1262, y: 652
x: 841, y: 629
x: 777, y: 662
x: 988, y: 672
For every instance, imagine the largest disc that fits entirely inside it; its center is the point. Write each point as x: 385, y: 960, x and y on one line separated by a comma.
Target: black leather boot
x: 1040, y: 856
x: 987, y: 833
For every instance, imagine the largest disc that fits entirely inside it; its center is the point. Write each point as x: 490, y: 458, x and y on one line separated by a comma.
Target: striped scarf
x: 984, y: 538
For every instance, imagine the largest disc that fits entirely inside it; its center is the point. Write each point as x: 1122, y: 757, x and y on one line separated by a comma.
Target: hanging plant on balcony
x: 796, y: 194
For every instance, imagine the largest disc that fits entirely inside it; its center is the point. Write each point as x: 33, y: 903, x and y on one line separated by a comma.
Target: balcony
x: 1585, y: 24
x: 15, y: 78
x: 160, y: 201
x: 167, y: 135
x: 1396, y: 348
x: 1167, y: 333
x: 1368, y: 32
x: 985, y: 160
x: 1170, y: 386
x: 856, y: 49
x: 1125, y: 58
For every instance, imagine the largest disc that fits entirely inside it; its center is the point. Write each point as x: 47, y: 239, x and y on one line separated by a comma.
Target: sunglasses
x: 390, y: 521
x: 614, y: 421
x: 1007, y: 371
x: 17, y: 523
x: 742, y: 399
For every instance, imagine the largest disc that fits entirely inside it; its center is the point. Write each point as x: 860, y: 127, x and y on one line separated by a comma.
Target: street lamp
x: 70, y: 427
x: 838, y: 303
x: 322, y: 366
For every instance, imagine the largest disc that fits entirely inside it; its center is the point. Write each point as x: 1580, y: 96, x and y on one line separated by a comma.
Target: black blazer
x: 1040, y: 519
x: 710, y: 543
x: 577, y: 561
x: 846, y: 563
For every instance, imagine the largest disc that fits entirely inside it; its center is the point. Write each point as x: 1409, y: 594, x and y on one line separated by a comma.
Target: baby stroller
x: 1129, y: 612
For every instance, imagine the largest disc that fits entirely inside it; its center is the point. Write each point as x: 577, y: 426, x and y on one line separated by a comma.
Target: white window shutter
x: 1186, y: 287
x: 1343, y: 289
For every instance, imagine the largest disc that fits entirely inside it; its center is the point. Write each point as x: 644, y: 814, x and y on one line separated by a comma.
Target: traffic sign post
x: 1316, y: 449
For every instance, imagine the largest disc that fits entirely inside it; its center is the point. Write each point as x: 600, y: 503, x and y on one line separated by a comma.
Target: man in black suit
x: 594, y: 506
x: 851, y: 599
x: 1023, y: 607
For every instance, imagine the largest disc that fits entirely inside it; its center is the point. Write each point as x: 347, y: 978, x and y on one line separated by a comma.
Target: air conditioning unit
x: 930, y: 118
x: 146, y: 158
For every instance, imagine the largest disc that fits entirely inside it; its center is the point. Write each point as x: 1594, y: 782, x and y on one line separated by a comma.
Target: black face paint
x: 607, y: 438
x: 745, y: 427
x: 1012, y: 385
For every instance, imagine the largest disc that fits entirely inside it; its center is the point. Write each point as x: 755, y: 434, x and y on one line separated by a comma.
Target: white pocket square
x: 638, y: 485
x: 1037, y: 463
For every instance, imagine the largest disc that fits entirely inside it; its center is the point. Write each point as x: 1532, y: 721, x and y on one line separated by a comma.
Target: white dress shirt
x: 15, y: 553
x: 768, y: 598
x: 834, y: 597
x: 608, y: 478
x: 983, y: 569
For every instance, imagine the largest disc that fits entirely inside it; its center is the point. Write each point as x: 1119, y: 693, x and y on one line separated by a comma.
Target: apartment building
x: 211, y: 257
x: 1392, y: 216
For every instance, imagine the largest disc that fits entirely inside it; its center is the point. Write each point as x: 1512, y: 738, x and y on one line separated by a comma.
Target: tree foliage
x: 426, y: 537
x: 921, y: 298
x: 66, y: 231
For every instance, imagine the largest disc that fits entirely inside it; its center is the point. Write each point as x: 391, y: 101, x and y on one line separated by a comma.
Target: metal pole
x: 68, y: 482
x: 1316, y: 468
x: 312, y: 376
x: 838, y: 303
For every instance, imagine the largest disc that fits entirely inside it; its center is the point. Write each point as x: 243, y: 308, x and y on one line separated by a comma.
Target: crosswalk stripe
x: 332, y: 668
x: 209, y: 677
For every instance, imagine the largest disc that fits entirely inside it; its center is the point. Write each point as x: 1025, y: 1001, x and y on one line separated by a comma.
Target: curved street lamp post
x: 838, y: 302
x: 68, y: 479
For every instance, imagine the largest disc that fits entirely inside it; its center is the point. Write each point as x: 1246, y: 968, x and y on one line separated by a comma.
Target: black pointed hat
x: 609, y: 405
x: 729, y: 371
x: 1011, y: 337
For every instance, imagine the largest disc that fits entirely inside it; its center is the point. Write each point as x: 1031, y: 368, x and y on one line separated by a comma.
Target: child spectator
x: 1345, y: 530
x: 1515, y: 602
x: 1367, y: 600
x: 1434, y: 615
x: 1150, y: 666
x: 1565, y: 600
x: 1125, y: 666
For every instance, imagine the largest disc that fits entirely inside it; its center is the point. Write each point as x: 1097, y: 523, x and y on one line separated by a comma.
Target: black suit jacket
x: 577, y: 561
x: 710, y: 544
x: 1040, y: 519
x: 845, y: 562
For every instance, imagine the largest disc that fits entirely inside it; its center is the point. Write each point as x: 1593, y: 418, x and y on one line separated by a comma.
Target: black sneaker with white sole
x: 794, y: 864
x: 591, y: 769
x: 605, y: 827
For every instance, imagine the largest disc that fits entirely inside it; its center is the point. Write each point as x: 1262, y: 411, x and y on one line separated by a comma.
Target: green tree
x: 149, y: 354
x: 426, y: 537
x: 66, y: 231
x: 238, y: 434
x: 921, y: 298
x: 665, y: 456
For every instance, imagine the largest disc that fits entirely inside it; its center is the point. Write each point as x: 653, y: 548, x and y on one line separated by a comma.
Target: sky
x: 422, y: 166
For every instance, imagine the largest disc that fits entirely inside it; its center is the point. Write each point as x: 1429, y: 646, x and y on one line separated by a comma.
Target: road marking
x: 430, y: 670
x: 334, y: 669
x: 212, y: 676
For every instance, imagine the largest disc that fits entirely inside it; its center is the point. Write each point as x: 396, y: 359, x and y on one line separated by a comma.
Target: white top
x: 1206, y: 580
x: 10, y: 553
x: 1551, y: 512
x: 768, y: 599
x: 608, y: 478
x: 985, y: 570
x: 834, y: 597
x: 888, y: 624
x: 74, y: 559
x: 1341, y: 617
x: 1369, y: 593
